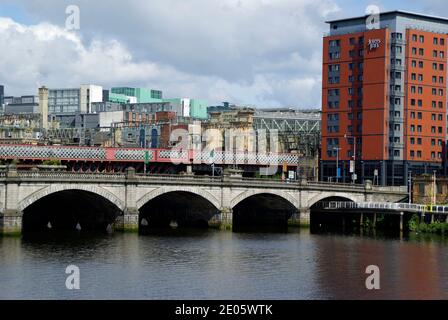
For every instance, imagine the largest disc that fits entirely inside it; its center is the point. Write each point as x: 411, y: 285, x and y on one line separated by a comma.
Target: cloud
x: 258, y: 52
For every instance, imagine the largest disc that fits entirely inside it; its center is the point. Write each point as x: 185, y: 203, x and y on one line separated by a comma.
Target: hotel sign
x: 374, y: 44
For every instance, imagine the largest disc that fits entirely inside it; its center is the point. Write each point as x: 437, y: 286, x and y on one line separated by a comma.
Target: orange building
x: 384, y: 108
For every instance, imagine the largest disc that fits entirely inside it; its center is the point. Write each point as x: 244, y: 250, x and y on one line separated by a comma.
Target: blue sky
x: 249, y: 52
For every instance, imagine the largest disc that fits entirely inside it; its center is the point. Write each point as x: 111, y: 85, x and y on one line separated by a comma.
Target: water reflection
x: 209, y: 264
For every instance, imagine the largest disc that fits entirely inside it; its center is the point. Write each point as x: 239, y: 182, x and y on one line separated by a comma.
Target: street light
x: 434, y: 191
x: 337, y: 163
x: 410, y: 186
x: 354, y: 156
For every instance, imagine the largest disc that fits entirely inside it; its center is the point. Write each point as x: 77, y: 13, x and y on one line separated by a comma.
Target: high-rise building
x: 384, y: 106
x: 2, y: 95
x: 74, y: 100
x: 143, y: 95
x: 21, y: 105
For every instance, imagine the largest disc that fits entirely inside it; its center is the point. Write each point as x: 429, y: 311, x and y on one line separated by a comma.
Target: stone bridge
x: 32, y: 200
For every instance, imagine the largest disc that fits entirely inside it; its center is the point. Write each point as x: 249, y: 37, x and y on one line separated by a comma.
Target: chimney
x: 43, y: 107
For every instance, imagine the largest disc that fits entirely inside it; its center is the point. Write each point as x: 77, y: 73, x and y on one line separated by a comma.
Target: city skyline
x: 212, y: 59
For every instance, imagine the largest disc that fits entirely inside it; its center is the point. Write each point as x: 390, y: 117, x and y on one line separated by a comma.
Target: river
x: 211, y: 264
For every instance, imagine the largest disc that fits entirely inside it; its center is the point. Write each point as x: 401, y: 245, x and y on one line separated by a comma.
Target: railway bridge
x: 49, y: 201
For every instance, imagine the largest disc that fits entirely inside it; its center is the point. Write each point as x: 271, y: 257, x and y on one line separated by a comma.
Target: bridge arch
x: 328, y: 195
x: 249, y: 193
x: 54, y: 188
x: 263, y: 208
x: 167, y: 189
x: 178, y: 205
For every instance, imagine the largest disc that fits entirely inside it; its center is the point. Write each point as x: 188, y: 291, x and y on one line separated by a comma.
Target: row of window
x: 433, y: 129
x: 435, y: 66
x: 352, y: 41
x: 350, y: 116
x: 434, y: 117
x: 412, y: 154
x: 439, y: 142
x: 435, y: 40
x: 350, y: 103
x: 335, y: 129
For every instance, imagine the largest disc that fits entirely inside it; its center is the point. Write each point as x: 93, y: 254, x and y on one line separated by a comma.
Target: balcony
x: 396, y: 93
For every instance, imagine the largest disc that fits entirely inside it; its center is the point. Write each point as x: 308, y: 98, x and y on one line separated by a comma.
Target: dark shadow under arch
x: 262, y: 210
x: 177, y: 209
x: 70, y: 211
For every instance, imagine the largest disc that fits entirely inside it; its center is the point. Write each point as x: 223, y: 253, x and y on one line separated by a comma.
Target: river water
x: 211, y: 264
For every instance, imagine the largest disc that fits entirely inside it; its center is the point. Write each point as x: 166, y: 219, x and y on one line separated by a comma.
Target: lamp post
x: 354, y: 156
x: 410, y: 186
x: 434, y: 191
x: 337, y: 163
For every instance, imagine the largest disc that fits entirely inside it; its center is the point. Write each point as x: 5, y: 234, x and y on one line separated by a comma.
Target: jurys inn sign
x: 374, y: 44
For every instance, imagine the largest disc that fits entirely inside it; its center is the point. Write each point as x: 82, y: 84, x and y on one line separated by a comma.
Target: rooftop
x: 395, y: 12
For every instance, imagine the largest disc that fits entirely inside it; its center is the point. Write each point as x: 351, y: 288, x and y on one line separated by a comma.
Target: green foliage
x: 52, y: 162
x: 435, y: 227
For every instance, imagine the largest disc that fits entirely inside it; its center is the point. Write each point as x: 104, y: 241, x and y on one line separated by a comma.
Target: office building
x: 74, y: 100
x: 142, y: 95
x: 21, y: 105
x: 384, y: 110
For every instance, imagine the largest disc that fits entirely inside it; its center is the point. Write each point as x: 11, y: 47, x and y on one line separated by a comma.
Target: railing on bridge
x: 389, y: 206
x: 121, y: 177
x: 99, y: 154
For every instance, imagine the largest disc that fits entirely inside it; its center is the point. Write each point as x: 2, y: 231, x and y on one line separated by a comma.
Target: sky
x: 265, y: 53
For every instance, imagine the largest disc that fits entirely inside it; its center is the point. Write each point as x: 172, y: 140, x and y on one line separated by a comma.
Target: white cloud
x: 259, y: 52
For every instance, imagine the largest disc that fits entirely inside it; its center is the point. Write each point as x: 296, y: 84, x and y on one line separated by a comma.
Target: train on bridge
x: 109, y: 159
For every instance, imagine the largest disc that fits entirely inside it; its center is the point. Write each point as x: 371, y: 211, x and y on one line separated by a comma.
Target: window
x: 435, y: 41
x: 434, y: 53
x: 419, y: 141
x: 441, y: 67
x: 412, y: 140
x: 419, y: 128
x: 396, y: 153
x: 335, y: 55
x: 353, y: 41
x: 420, y: 103
x: 434, y: 91
x: 335, y: 43
x: 421, y: 52
x: 414, y: 51
x: 351, y: 53
x: 440, y: 104
x: 414, y: 37
x: 434, y: 79
x: 419, y: 154
x: 442, y: 41
x: 433, y: 142
x: 420, y: 90
x: 412, y: 102
x: 433, y: 104
x: 420, y: 77
x: 414, y: 76
x: 441, y: 92
x: 414, y: 64
x: 433, y: 117
x: 420, y: 116
x: 442, y: 54
x: 420, y: 64
x: 350, y: 66
x: 422, y: 39
x: 412, y: 115
x: 440, y: 117
x: 434, y: 66
x: 413, y: 89
x: 412, y: 153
